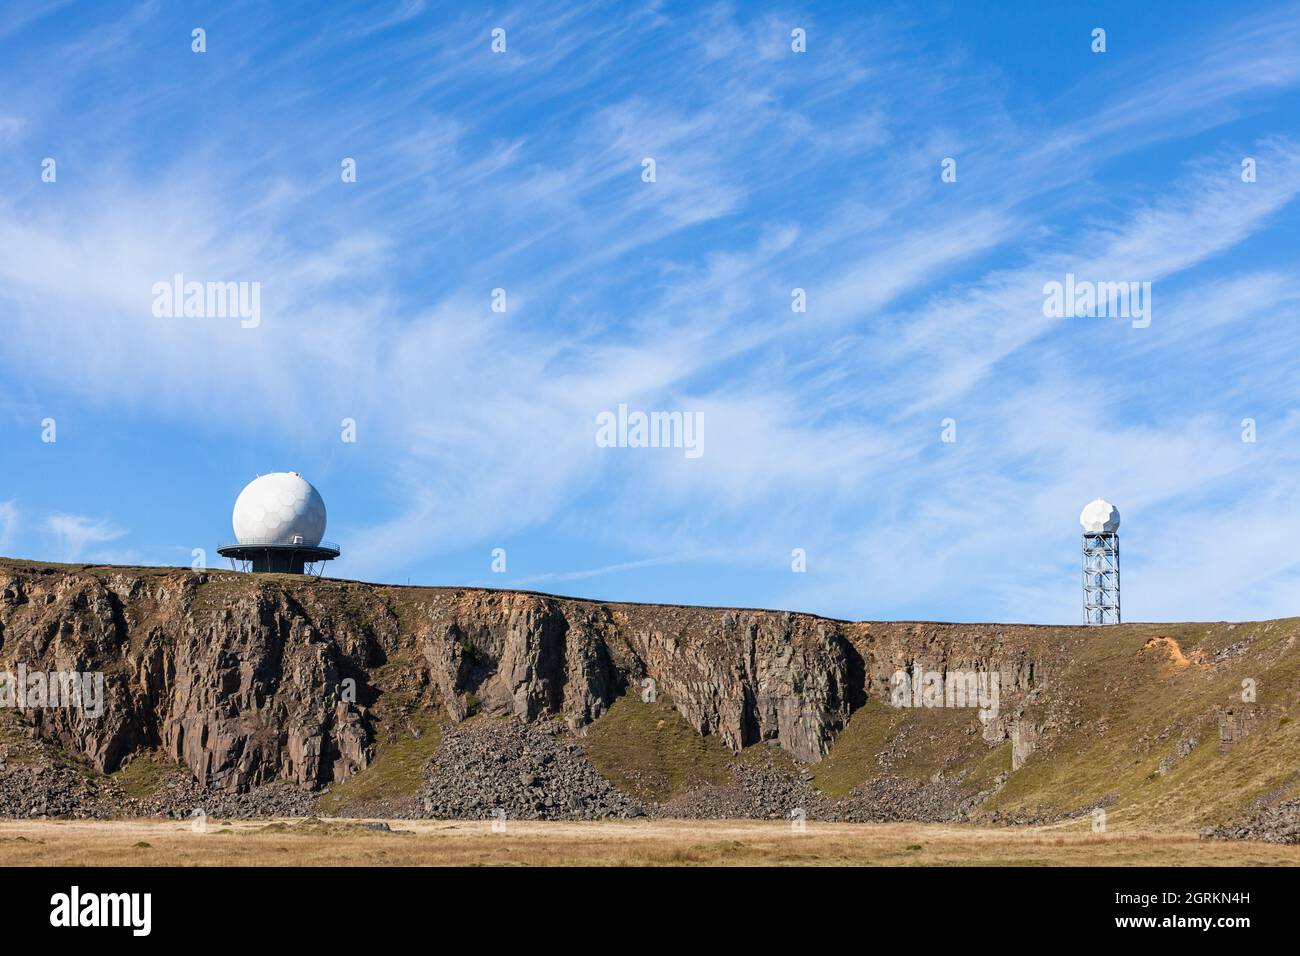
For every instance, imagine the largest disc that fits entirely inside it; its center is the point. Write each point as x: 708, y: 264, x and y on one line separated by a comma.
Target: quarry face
x: 280, y: 694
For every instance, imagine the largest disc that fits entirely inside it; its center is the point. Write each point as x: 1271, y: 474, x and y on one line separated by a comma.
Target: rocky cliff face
x: 243, y: 688
x: 249, y: 680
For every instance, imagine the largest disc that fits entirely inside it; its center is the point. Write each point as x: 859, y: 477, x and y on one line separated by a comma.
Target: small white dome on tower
x: 279, y: 508
x: 1099, y: 516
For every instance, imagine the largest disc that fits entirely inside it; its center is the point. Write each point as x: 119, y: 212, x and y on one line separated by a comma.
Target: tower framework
x: 1101, y: 578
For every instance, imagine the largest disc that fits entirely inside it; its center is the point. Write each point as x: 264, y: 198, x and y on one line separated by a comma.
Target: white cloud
x: 821, y: 429
x: 599, y: 572
x: 8, y: 524
x: 75, y: 532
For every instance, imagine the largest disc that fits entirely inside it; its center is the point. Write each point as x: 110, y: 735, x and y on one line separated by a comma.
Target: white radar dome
x: 280, y: 508
x: 1099, y: 517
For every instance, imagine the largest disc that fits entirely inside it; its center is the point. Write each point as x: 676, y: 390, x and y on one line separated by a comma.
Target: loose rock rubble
x: 179, y: 797
x: 33, y: 791
x: 1277, y: 824
x: 532, y: 772
x: 766, y: 788
x: 40, y: 789
x: 484, y: 769
x: 526, y: 772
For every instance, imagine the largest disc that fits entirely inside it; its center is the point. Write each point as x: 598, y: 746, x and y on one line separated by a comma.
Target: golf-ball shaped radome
x: 1099, y: 516
x: 277, y: 508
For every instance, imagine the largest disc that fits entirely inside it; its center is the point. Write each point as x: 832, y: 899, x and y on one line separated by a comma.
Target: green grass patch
x: 395, y: 772
x: 852, y: 758
x: 651, y: 752
x: 140, y: 778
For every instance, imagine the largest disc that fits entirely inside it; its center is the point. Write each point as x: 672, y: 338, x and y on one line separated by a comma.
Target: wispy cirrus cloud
x: 775, y: 172
x: 8, y: 524
x: 74, y: 533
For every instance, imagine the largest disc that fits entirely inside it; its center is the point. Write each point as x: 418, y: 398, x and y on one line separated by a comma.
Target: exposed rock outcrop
x: 257, y: 693
x: 249, y: 680
x: 238, y: 683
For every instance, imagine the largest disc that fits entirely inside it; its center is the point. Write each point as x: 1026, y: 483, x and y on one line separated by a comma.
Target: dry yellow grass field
x: 331, y: 842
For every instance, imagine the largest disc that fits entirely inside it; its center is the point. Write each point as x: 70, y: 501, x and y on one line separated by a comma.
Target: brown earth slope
x: 271, y: 693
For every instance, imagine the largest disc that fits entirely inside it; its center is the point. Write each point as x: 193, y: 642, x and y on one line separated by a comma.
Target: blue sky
x: 775, y: 170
